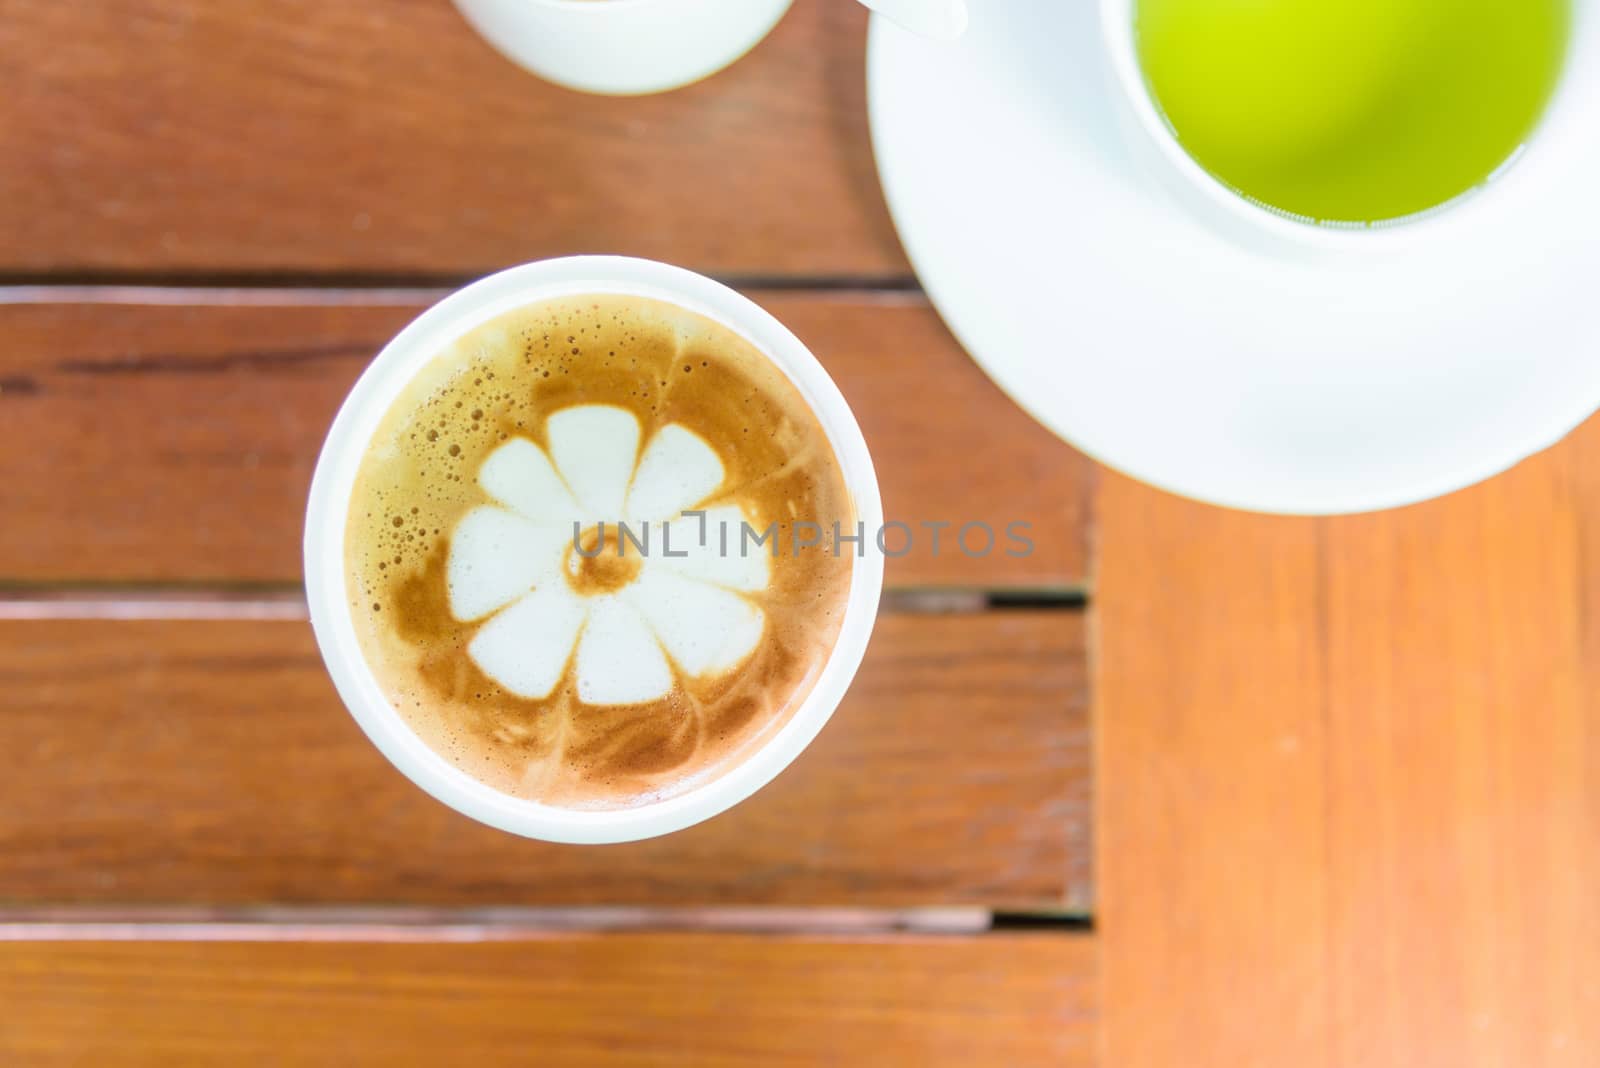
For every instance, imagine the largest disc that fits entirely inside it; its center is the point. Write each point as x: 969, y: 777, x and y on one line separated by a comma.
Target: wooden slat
x: 1209, y: 806
x: 211, y: 763
x: 174, y: 442
x: 384, y: 136
x: 1463, y: 748
x: 702, y: 1000
x: 1349, y: 808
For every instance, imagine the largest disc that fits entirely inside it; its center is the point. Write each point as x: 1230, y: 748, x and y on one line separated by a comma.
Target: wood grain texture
x: 1350, y: 779
x: 1208, y: 815
x: 175, y: 442
x: 211, y: 763
x: 383, y: 136
x: 703, y: 1000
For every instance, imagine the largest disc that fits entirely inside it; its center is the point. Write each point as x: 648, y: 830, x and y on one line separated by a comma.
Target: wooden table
x: 1345, y: 805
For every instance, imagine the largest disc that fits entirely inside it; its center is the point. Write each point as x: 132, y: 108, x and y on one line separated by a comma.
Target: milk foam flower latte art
x: 619, y: 620
x: 560, y: 552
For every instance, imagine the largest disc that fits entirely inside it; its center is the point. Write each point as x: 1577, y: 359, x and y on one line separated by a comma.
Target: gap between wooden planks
x: 492, y: 923
x: 1348, y: 805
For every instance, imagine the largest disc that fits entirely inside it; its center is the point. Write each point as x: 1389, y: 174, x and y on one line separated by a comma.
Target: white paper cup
x: 331, y: 486
x: 623, y: 47
x: 1567, y: 120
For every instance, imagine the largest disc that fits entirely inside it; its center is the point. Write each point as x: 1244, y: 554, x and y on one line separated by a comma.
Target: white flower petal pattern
x: 496, y: 557
x: 619, y: 660
x: 615, y: 642
x: 519, y: 475
x: 526, y: 647
x: 595, y: 446
x: 702, y: 627
x: 678, y: 470
x: 740, y: 564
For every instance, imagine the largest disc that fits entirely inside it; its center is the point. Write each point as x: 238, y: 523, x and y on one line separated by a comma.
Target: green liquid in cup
x: 1352, y: 111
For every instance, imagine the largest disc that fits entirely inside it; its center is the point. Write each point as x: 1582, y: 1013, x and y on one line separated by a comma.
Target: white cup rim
x: 334, y: 479
x: 1238, y: 213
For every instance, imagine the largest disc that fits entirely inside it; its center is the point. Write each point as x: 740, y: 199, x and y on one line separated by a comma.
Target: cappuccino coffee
x: 575, y: 552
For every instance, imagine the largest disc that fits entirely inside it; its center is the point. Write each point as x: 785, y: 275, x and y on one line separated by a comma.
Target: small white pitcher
x: 627, y: 47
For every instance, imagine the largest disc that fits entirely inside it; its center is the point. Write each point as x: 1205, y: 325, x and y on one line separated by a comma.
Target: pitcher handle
x: 942, y: 19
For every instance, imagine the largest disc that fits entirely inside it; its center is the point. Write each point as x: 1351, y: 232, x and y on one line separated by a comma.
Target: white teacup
x: 337, y: 468
x: 627, y: 47
x: 1567, y: 120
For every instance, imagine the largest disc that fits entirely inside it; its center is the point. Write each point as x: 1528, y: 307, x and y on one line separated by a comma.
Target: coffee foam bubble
x: 582, y: 671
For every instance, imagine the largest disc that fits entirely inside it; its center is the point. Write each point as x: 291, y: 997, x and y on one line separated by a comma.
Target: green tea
x: 1352, y: 110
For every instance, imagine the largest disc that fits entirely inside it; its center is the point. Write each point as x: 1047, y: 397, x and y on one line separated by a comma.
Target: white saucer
x: 1141, y: 337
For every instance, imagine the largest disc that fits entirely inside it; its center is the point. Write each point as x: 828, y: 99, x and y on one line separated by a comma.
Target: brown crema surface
x: 418, y: 479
